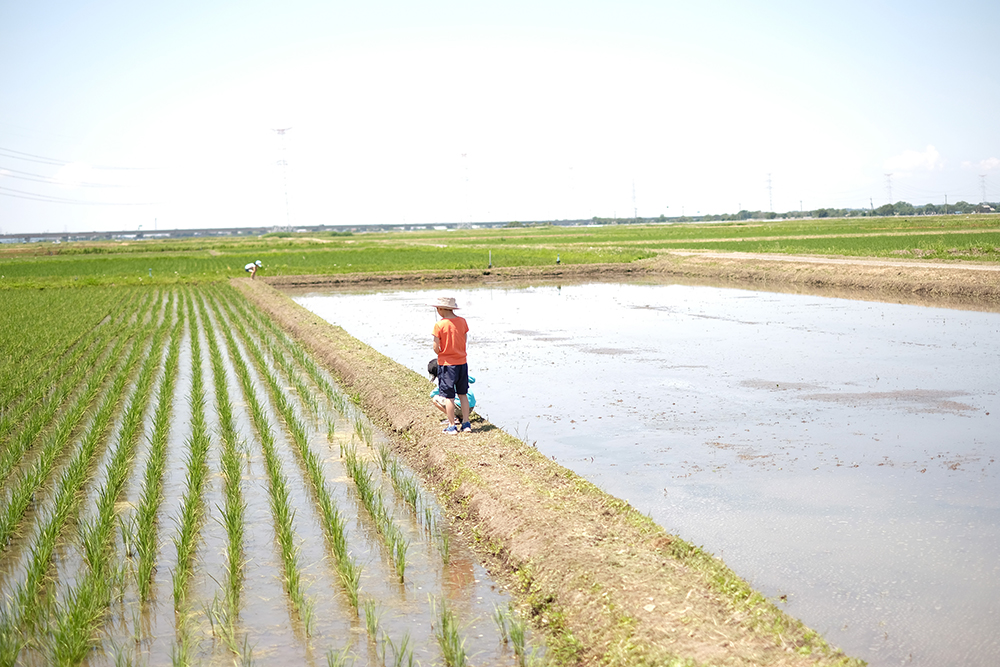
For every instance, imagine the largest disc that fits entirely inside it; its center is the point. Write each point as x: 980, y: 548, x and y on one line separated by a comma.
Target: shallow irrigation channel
x: 197, y: 490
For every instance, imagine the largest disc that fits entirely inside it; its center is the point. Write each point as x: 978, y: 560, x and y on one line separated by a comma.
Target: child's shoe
x: 451, y: 430
x: 466, y: 427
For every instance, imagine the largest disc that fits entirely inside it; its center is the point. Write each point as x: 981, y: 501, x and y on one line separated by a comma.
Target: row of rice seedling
x: 284, y: 362
x: 281, y: 509
x: 23, y: 606
x: 151, y: 494
x: 408, y: 490
x: 234, y: 510
x: 79, y: 614
x: 349, y: 572
x: 35, y: 386
x: 371, y: 497
x: 24, y: 487
x: 191, y: 513
x: 334, y: 396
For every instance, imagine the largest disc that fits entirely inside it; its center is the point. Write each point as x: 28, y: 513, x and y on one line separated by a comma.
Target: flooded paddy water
x: 840, y: 455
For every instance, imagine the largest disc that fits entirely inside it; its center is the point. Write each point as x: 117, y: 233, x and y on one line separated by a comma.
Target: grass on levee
x: 171, y: 261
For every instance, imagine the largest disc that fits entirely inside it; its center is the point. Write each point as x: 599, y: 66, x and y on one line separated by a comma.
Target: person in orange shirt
x: 453, y: 369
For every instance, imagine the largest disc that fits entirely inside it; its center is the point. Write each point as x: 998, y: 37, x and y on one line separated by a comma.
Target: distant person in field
x: 252, y: 267
x: 440, y: 401
x: 453, y: 369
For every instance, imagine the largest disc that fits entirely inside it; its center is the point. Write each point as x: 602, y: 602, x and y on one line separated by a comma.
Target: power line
x: 39, y: 178
x: 32, y: 196
x: 41, y: 159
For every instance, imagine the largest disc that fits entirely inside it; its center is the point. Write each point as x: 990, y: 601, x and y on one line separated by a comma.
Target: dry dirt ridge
x: 604, y: 583
x: 973, y: 285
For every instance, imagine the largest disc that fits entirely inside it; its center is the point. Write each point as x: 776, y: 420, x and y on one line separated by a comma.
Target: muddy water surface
x: 840, y: 455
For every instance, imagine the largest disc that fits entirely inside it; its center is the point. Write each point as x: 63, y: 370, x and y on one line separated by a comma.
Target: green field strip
x: 206, y: 260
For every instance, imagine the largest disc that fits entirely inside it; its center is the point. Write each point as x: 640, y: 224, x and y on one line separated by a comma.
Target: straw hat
x: 446, y: 302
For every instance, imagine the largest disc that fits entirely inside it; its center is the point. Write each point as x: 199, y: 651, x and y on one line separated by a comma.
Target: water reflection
x: 840, y: 453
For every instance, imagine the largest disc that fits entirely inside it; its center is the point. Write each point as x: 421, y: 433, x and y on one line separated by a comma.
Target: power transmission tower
x: 283, y: 163
x: 465, y: 167
x: 635, y: 211
x: 982, y: 185
x: 770, y: 199
x: 888, y: 186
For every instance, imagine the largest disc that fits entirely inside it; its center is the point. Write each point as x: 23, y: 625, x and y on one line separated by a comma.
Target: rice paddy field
x: 973, y: 238
x: 183, y: 484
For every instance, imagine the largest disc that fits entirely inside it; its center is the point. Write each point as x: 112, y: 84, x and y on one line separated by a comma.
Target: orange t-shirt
x: 451, y: 335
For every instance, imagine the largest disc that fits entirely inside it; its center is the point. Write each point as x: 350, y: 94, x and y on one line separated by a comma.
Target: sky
x: 121, y: 115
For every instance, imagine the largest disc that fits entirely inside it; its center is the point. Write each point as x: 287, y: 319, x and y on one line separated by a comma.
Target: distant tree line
x: 899, y: 208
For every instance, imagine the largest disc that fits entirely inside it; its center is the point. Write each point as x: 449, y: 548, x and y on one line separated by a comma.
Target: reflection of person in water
x: 459, y: 575
x: 252, y: 267
x: 439, y: 401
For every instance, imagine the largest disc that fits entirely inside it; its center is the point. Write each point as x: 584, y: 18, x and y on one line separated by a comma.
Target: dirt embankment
x: 606, y: 584
x: 961, y: 284
x: 954, y: 284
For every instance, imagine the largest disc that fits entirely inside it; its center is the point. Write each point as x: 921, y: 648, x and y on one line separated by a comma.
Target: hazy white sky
x: 115, y: 114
